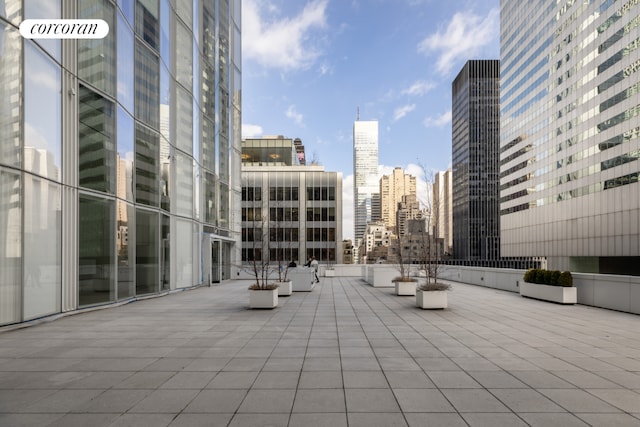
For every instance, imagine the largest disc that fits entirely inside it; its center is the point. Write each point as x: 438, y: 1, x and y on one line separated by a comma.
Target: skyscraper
x: 366, y: 198
x: 392, y: 189
x: 475, y: 138
x: 119, y: 157
x: 570, y: 137
x: 442, y: 216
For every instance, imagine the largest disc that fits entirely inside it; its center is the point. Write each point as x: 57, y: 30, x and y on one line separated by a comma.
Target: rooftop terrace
x: 346, y: 354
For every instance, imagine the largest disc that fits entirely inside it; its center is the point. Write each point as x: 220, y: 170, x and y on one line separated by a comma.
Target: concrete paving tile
x: 370, y: 400
x: 320, y: 379
x: 364, y: 379
x: 473, y: 400
x: 422, y: 400
x: 233, y: 380
x: 627, y: 400
x: 475, y: 364
x: 82, y: 420
x: 553, y: 364
x: 575, y: 400
x: 201, y: 420
x: 318, y: 420
x: 436, y: 364
x: 553, y: 420
x: 493, y: 420
x: 113, y: 401
x: 541, y: 379
x: 408, y: 379
x: 398, y: 364
x: 435, y: 419
x: 61, y: 401
x: 525, y: 400
x: 289, y: 352
x: 168, y: 364
x: 321, y: 364
x: 255, y: 420
x: 323, y: 352
x: 244, y: 364
x: 610, y: 420
x: 267, y: 401
x: 144, y: 380
x: 189, y: 380
x: 165, y: 401
x: 496, y: 379
x: 277, y: 380
x: 143, y: 420
x: 584, y: 379
x: 360, y: 364
x: 364, y: 351
x: 216, y: 401
x: 28, y: 420
x: 453, y: 379
x: 626, y: 379
x: 376, y: 420
x: 319, y: 401
x: 283, y: 364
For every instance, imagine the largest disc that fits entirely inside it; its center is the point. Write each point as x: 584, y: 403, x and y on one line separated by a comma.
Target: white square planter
x: 405, y: 288
x: 329, y: 273
x: 285, y: 288
x: 302, y: 279
x: 559, y: 294
x: 263, y: 299
x: 431, y: 299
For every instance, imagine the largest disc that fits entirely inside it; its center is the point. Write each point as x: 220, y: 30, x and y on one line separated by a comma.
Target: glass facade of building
x: 366, y: 187
x: 475, y: 139
x: 117, y: 155
x: 570, y: 127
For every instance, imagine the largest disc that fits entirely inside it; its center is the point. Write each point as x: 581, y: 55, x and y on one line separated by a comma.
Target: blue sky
x: 308, y: 66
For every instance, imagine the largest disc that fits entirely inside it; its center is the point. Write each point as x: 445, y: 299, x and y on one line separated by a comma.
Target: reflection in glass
x: 42, y: 114
x: 43, y: 243
x: 147, y: 24
x: 184, y: 254
x: 184, y: 56
x: 165, y: 260
x: 147, y: 262
x: 125, y: 65
x: 147, y: 169
x: 96, y: 57
x: 125, y: 156
x: 124, y: 249
x: 165, y: 102
x: 166, y: 155
x: 127, y: 9
x: 184, y: 119
x: 184, y: 185
x: 224, y: 205
x: 208, y: 145
x: 165, y: 31
x: 147, y: 86
x: 45, y: 9
x: 209, y: 198
x: 11, y: 10
x: 10, y: 247
x: 96, y: 251
x: 10, y: 81
x: 96, y: 141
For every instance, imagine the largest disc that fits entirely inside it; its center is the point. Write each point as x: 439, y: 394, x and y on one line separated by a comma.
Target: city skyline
x: 309, y: 68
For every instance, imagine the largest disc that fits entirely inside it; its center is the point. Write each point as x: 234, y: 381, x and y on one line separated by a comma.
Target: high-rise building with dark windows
x: 570, y: 133
x: 119, y: 157
x: 475, y: 138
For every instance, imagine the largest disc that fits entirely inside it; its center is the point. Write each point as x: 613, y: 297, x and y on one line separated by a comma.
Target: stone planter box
x: 302, y: 278
x: 263, y: 299
x: 329, y: 272
x: 405, y: 288
x: 382, y: 276
x: 285, y: 288
x: 431, y: 299
x: 559, y: 294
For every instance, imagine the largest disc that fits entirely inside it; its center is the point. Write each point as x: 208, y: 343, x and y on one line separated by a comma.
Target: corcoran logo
x: 64, y: 29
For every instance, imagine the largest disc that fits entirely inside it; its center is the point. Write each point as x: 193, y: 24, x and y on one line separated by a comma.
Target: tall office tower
x: 442, y: 217
x: 119, y: 157
x: 392, y: 188
x: 475, y: 138
x: 365, y: 171
x: 570, y: 137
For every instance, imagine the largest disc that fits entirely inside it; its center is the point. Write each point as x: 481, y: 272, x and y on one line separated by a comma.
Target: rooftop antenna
x: 357, y: 113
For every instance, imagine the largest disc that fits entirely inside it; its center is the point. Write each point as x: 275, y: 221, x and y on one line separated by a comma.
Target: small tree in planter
x: 431, y: 294
x: 404, y: 284
x: 263, y: 293
x: 280, y: 238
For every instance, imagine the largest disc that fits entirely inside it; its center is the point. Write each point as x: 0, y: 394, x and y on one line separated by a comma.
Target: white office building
x: 570, y: 134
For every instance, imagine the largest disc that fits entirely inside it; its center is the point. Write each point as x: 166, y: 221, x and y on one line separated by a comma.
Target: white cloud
x: 464, y: 37
x: 400, y: 112
x: 440, y: 121
x: 251, y: 131
x: 293, y: 114
x: 285, y: 42
x: 419, y: 88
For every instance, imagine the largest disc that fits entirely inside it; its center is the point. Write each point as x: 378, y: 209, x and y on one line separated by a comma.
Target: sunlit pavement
x: 345, y: 354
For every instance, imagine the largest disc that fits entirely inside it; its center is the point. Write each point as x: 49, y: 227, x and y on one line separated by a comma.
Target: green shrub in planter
x: 555, y: 276
x: 539, y: 277
x: 565, y: 279
x: 548, y: 277
x: 530, y: 275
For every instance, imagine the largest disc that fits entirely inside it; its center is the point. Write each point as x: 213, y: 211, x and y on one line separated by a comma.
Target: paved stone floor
x: 345, y: 354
